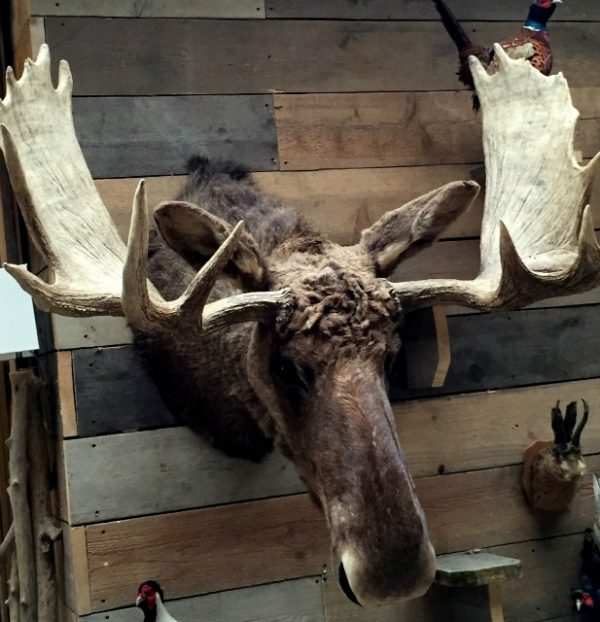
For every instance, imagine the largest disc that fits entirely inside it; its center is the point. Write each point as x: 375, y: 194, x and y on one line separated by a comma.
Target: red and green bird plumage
x: 531, y: 42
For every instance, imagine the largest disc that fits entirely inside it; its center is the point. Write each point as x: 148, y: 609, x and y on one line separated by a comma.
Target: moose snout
x: 407, y: 574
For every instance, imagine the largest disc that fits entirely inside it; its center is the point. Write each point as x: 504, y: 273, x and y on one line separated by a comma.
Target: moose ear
x: 196, y: 234
x: 408, y: 229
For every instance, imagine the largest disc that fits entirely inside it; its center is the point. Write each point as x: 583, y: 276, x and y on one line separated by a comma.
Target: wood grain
x: 481, y: 430
x: 77, y: 589
x: 222, y: 9
x: 66, y: 396
x: 416, y: 9
x: 458, y: 505
x: 290, y: 601
x: 123, y: 137
x: 259, y: 56
x: 106, y: 475
x: 206, y: 550
x: 132, y: 401
x: 349, y: 130
x: 285, y: 538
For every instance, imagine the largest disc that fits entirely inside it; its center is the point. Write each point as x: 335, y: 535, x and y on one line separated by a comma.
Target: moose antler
x: 92, y: 271
x: 537, y: 235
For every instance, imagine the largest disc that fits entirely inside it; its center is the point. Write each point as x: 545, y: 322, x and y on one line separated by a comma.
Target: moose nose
x: 345, y: 585
x: 365, y: 579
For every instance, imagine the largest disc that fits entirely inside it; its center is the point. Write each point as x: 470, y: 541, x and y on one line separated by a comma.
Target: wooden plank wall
x: 344, y: 109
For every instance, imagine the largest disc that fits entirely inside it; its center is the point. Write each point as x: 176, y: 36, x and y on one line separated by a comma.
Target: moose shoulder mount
x: 291, y: 347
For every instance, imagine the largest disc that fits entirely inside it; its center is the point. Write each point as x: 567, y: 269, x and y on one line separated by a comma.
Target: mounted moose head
x: 302, y: 359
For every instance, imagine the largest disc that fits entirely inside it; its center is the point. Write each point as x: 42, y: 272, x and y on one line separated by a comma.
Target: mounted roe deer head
x: 273, y: 332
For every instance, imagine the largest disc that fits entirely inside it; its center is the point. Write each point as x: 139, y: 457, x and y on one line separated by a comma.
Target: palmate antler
x: 92, y: 271
x: 537, y: 237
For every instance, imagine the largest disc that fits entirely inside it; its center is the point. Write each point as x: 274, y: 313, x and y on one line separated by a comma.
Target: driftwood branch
x: 6, y: 549
x: 22, y: 384
x: 3, y: 595
x: 45, y: 530
x: 13, y: 591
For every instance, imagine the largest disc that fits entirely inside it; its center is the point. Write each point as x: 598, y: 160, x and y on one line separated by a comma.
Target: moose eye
x: 293, y: 377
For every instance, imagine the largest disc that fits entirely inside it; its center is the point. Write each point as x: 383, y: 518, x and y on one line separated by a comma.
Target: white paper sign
x: 17, y: 322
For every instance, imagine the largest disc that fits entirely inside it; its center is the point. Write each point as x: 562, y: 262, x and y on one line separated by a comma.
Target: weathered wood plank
x: 458, y: 505
x: 263, y: 55
x: 350, y: 130
x: 222, y: 9
x: 70, y: 333
x: 419, y: 10
x: 502, y: 350
x: 31, y: 38
x: 105, y: 475
x: 339, y: 130
x: 442, y: 435
x: 481, y: 430
x: 132, y: 401
x: 128, y: 136
x: 290, y: 601
x: 285, y: 538
x: 244, y: 544
x: 338, y: 202
x: 77, y: 589
x: 489, y: 351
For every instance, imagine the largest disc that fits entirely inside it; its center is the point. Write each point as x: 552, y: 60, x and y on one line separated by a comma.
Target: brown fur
x: 315, y: 385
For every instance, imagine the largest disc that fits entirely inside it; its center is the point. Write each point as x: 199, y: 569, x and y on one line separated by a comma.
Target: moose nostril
x: 345, y: 585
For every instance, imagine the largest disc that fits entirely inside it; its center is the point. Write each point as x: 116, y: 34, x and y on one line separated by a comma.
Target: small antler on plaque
x: 552, y: 470
x: 537, y: 236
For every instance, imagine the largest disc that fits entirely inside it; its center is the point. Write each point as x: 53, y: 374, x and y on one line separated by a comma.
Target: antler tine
x: 140, y: 311
x: 579, y: 429
x: 537, y: 234
x: 558, y: 426
x: 197, y: 292
x: 570, y: 420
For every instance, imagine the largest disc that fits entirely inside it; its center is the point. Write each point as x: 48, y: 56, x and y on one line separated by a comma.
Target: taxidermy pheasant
x: 150, y: 600
x: 586, y: 599
x: 552, y: 470
x: 531, y: 42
